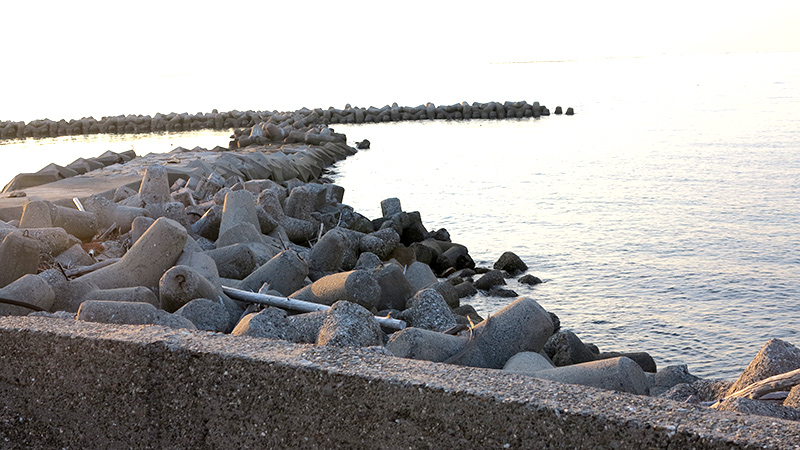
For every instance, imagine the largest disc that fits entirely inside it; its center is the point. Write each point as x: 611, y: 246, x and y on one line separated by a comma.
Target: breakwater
x: 173, y: 122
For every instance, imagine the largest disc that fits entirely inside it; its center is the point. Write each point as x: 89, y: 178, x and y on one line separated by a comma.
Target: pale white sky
x: 165, y: 37
x: 91, y: 45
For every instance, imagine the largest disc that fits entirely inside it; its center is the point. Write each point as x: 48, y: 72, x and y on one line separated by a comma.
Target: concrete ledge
x: 71, y: 384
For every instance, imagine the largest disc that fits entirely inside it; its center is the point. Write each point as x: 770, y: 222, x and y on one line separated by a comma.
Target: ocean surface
x: 664, y: 216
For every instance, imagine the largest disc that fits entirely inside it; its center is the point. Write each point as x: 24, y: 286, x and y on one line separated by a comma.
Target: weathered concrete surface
x: 114, y: 386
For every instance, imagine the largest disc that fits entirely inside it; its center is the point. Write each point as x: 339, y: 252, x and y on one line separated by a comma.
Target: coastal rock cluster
x: 215, y: 250
x: 174, y: 122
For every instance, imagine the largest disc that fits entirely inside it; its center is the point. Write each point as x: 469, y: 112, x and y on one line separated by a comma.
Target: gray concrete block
x: 428, y: 310
x: 131, y: 313
x: 420, y: 276
x: 283, y: 273
x: 30, y: 289
x: 395, y: 289
x: 615, y: 374
x: 519, y: 327
x: 271, y: 323
x: 357, y: 286
x: 36, y: 214
x: 418, y: 343
x: 774, y: 358
x: 349, y: 325
x: 143, y: 265
x: 19, y: 255
x: 527, y: 363
x: 181, y: 284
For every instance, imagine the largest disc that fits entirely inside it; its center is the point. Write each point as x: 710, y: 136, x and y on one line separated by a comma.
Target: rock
x: 381, y: 242
x: 510, y: 263
x: 52, y: 241
x: 416, y: 343
x: 390, y: 207
x: 208, y: 225
x: 530, y: 280
x: 395, y: 288
x: 146, y: 261
x: 465, y: 289
x: 205, y: 314
x: 357, y: 286
x: 235, y: 261
x: 456, y: 257
x: 669, y: 377
x: 181, y: 284
x: 776, y: 357
x: 368, y: 261
x: 428, y: 310
x: 519, y: 327
x: 308, y: 325
x: 497, y: 291
x: 271, y: 323
x: 349, y: 325
x: 565, y: 348
x: 81, y: 224
x: 490, y: 279
x: 19, y: 255
x: 793, y: 399
x: 758, y: 407
x: 527, y: 363
x: 699, y: 391
x: 239, y: 207
x: 645, y: 361
x: 616, y: 374
x: 126, y: 294
x: 363, y: 145
x: 469, y: 312
x: 420, y: 276
x: 448, y: 292
x: 154, y: 188
x: 131, y: 313
x: 73, y: 257
x: 326, y: 255
x: 284, y: 273
x: 30, y: 289
x: 36, y: 214
x: 108, y: 213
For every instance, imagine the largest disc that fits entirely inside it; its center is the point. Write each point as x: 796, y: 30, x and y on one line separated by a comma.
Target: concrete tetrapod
x: 143, y: 265
x: 519, y: 327
x: 357, y: 286
x: 616, y: 374
x: 19, y: 255
x: 109, y: 212
x: 181, y: 284
x: 283, y: 273
x: 238, y: 207
x: 30, y: 289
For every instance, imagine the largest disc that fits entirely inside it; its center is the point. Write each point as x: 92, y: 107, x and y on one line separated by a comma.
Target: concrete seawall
x: 69, y: 384
x: 172, y: 122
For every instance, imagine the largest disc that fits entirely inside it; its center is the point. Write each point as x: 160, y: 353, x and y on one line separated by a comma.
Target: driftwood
x: 83, y: 270
x: 297, y: 305
x: 757, y: 390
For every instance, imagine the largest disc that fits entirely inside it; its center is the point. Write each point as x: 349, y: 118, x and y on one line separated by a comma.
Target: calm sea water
x: 663, y: 216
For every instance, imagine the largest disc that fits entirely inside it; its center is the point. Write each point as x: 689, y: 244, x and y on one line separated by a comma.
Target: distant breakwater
x: 174, y: 122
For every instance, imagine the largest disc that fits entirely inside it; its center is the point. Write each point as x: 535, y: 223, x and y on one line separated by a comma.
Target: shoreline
x: 198, y: 178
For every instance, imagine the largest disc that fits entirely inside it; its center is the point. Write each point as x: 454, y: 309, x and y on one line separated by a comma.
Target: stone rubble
x: 253, y: 221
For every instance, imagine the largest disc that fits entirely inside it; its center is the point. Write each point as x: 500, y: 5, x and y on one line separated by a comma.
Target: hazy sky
x: 101, y: 37
x: 136, y: 49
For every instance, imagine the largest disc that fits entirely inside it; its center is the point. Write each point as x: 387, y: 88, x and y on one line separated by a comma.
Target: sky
x: 90, y: 45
